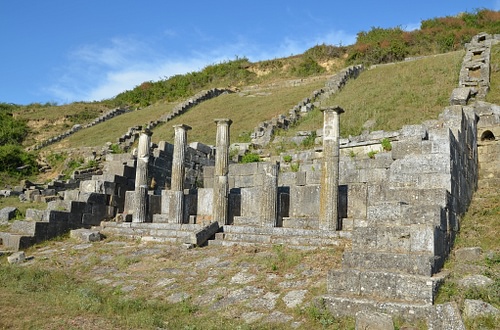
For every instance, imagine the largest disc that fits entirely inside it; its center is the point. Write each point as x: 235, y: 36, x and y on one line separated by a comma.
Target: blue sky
x: 85, y: 50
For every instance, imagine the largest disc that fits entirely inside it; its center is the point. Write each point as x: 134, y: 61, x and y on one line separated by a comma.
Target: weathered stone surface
x: 475, y: 281
x: 7, y: 213
x: 468, y: 254
x: 294, y: 298
x: 86, y: 235
x: 373, y: 321
x: 445, y: 316
x: 478, y: 308
x: 16, y: 257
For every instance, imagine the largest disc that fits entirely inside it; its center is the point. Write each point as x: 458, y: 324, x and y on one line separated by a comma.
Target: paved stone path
x: 269, y: 285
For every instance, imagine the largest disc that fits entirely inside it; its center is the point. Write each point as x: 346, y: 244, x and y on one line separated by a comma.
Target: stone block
x: 250, y: 202
x: 468, y: 254
x: 287, y: 178
x: 414, y: 264
x: 304, y: 201
x: 244, y: 169
x: 201, y: 236
x: 300, y: 178
x: 71, y: 194
x: 205, y: 200
x: 8, y: 213
x: 460, y: 96
x: 86, y: 235
x: 403, y: 148
x: 201, y: 147
x: 16, y: 257
x: 93, y: 198
x: 446, y: 316
x: 366, y: 320
x: 35, y: 215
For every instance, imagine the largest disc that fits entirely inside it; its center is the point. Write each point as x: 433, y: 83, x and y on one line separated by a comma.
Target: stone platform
x: 291, y: 237
x: 196, y: 234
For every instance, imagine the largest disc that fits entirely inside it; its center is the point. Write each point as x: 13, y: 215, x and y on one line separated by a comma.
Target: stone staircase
x: 392, y: 264
x: 195, y: 234
x: 293, y: 237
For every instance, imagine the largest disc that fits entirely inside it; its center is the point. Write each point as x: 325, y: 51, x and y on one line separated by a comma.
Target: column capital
x: 334, y: 108
x: 223, y: 121
x: 182, y: 126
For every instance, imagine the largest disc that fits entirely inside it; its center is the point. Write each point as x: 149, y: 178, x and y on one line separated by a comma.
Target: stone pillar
x: 141, y: 178
x: 269, y: 196
x: 221, y: 182
x: 329, y: 194
x: 176, y: 209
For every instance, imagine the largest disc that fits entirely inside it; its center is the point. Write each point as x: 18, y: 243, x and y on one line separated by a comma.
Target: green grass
x: 392, y: 95
x: 112, y: 129
x: 21, y: 206
x: 71, y: 299
x: 246, y: 112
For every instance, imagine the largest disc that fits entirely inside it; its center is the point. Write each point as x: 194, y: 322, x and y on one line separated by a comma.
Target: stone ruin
x: 397, y: 214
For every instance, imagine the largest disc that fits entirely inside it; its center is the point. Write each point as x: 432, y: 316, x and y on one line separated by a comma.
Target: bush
x: 307, y: 67
x: 12, y: 131
x: 17, y: 162
x: 250, y: 158
x: 386, y: 144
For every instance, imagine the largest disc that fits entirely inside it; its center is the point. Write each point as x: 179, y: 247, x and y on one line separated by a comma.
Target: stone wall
x: 264, y: 132
x: 127, y: 140
x: 106, y: 116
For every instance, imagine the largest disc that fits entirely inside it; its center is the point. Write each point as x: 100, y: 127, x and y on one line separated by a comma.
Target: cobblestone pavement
x: 265, y: 284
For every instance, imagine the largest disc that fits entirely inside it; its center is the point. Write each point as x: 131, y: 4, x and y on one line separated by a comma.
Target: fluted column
x: 328, y: 213
x: 141, y: 178
x: 221, y: 182
x: 176, y: 211
x: 269, y: 197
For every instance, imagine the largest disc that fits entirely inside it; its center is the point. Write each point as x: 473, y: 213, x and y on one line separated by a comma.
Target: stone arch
x: 487, y: 136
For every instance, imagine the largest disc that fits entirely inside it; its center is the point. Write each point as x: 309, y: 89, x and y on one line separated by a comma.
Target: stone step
x: 279, y: 235
x: 143, y: 232
x: 349, y: 306
x: 396, y: 213
x: 162, y: 232
x: 150, y: 225
x: 288, y: 232
x: 254, y: 244
x: 381, y: 194
x: 301, y: 223
x: 381, y: 285
x: 404, y: 239
x: 413, y: 264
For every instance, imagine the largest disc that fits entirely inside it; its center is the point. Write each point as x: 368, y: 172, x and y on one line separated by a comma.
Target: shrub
x: 287, y: 158
x: 307, y: 67
x: 294, y: 167
x: 309, y: 141
x: 250, y: 158
x: 386, y: 144
x: 17, y: 162
x: 372, y: 153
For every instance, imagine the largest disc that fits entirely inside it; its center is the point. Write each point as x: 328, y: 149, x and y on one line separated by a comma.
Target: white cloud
x: 94, y: 73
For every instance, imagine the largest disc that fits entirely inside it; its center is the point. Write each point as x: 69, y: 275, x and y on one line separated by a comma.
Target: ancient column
x: 176, y: 210
x: 328, y: 204
x: 221, y: 182
x: 269, y: 196
x: 141, y: 178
